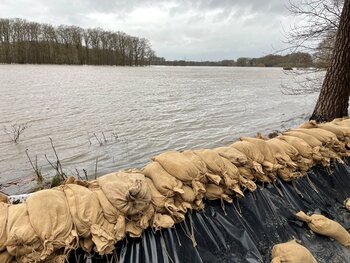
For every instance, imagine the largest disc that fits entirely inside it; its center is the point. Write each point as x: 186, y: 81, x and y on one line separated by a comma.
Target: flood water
x: 134, y: 112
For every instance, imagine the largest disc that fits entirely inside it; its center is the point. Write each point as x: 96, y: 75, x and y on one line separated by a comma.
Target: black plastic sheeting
x: 246, y: 230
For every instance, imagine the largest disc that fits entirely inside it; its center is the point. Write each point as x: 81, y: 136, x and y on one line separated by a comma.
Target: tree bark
x: 333, y: 101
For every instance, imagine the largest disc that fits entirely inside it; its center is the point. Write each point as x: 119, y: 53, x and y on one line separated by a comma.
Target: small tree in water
x: 333, y: 101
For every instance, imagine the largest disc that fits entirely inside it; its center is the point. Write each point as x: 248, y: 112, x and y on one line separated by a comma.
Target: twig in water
x: 15, y: 131
x: 35, y: 167
x: 96, y: 168
x: 104, y: 137
x: 99, y: 141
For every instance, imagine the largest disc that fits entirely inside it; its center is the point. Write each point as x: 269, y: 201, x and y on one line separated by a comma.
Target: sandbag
x: 3, y: 198
x: 303, y: 147
x: 309, y: 139
x: 291, y: 252
x: 133, y: 230
x: 188, y: 195
x: 177, y: 165
x: 162, y: 221
x: 264, y: 148
x: 54, y: 226
x: 165, y: 183
x: 326, y: 137
x: 196, y: 161
x: 159, y: 201
x: 5, y: 257
x: 339, y: 131
x: 88, y: 219
x: 109, y: 211
x: 22, y: 241
x: 215, y: 192
x: 250, y: 150
x: 347, y: 204
x: 279, y: 152
x: 127, y: 192
x: 3, y: 224
x: 212, y: 160
x: 308, y: 125
x: 327, y: 227
x: 233, y: 155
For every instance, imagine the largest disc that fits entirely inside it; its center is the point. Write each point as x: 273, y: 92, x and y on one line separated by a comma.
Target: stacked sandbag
x: 22, y: 242
x: 255, y: 159
x: 324, y: 226
x: 291, y: 252
x: 50, y: 218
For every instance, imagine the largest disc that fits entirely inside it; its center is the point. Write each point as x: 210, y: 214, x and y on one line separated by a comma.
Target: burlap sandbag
x: 3, y: 225
x: 177, y: 165
x: 188, y: 195
x: 215, y: 192
x: 165, y: 183
x: 326, y: 137
x: 291, y: 252
x: 212, y: 160
x: 265, y: 149
x: 159, y: 201
x: 233, y: 155
x: 324, y: 226
x: 54, y: 226
x: 196, y: 161
x: 303, y: 147
x: 232, y: 177
x: 347, y: 204
x: 109, y: 211
x: 127, y: 192
x: 280, y: 153
x: 133, y: 230
x: 214, y: 178
x: 88, y: 219
x: 162, y: 221
x: 5, y: 257
x: 3, y: 198
x: 22, y: 241
x: 309, y: 139
x: 252, y: 153
x: 339, y: 131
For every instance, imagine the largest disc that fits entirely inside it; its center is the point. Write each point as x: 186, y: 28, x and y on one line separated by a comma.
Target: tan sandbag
x: 347, y: 204
x: 233, y: 155
x: 247, y: 183
x: 127, y: 192
x: 162, y: 221
x: 5, y: 257
x: 88, y: 218
x: 165, y: 183
x: 212, y: 160
x: 133, y: 230
x: 249, y: 150
x: 263, y: 147
x: 326, y: 137
x: 287, y: 174
x: 3, y: 224
x: 109, y: 211
x: 214, y: 178
x: 215, y: 192
x: 196, y: 161
x: 188, y: 195
x: 327, y: 227
x: 22, y: 241
x: 246, y: 172
x: 146, y: 217
x: 178, y: 165
x: 280, y: 153
x: 3, y: 198
x: 291, y: 252
x: 232, y: 177
x: 303, y: 147
x: 309, y: 139
x: 54, y: 226
x: 339, y: 131
x: 342, y: 122
x: 308, y: 125
x: 73, y: 180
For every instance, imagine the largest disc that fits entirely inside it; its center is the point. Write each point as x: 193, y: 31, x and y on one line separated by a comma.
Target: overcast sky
x: 177, y: 29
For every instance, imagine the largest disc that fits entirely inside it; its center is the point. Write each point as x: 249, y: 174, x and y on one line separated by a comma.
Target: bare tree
x: 333, y: 101
x: 15, y: 131
x: 314, y: 33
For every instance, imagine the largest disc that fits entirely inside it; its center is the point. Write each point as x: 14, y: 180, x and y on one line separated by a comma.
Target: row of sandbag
x: 98, y: 213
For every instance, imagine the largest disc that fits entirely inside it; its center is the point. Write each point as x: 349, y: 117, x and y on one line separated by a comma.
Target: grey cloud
x: 195, y: 29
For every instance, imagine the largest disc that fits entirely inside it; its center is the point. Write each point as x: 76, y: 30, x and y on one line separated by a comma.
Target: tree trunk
x: 333, y: 100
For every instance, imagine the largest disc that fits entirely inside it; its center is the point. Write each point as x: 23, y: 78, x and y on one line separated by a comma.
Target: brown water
x: 141, y: 111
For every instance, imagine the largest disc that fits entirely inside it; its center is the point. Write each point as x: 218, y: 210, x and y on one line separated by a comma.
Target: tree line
x: 299, y: 59
x: 24, y: 42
